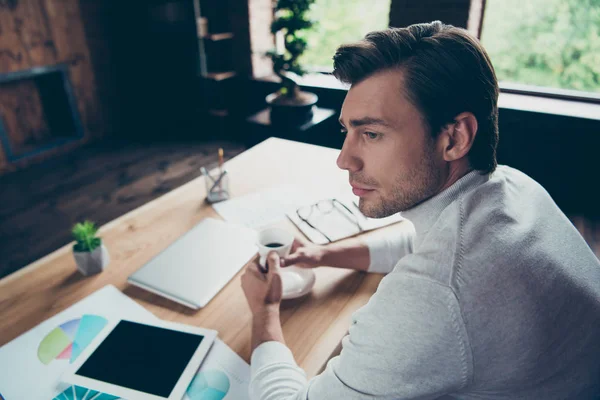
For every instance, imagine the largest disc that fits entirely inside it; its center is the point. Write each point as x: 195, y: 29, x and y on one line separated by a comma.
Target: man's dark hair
x: 445, y: 72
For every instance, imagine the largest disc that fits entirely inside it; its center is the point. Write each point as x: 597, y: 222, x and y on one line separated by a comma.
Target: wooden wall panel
x: 70, y: 42
x: 37, y: 33
x: 98, y: 17
x: 22, y: 113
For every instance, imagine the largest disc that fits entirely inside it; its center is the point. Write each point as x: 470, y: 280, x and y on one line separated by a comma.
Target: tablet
x: 142, y: 361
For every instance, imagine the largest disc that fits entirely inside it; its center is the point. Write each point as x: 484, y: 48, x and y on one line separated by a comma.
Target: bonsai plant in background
x: 90, y: 254
x: 289, y: 104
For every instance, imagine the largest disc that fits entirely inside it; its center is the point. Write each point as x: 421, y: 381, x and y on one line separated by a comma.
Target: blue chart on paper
x: 209, y: 385
x: 81, y: 393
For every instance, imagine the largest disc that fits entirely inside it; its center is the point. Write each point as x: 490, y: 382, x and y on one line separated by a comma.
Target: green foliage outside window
x: 552, y: 43
x: 337, y: 22
x: 548, y: 43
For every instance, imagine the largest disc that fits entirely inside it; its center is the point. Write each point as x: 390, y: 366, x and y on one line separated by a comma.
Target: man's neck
x: 456, y: 170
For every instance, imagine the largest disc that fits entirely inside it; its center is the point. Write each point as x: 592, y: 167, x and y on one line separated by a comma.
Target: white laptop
x: 193, y: 269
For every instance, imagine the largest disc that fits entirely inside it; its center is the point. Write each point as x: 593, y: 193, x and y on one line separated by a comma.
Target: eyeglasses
x: 326, y: 207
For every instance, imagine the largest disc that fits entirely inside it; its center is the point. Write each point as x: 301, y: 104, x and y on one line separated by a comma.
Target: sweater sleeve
x: 387, y: 247
x: 408, y: 342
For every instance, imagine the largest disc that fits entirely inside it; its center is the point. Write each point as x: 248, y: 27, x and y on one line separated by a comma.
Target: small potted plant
x: 289, y: 104
x: 90, y: 254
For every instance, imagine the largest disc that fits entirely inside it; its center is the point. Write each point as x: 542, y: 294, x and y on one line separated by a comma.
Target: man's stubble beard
x: 410, y: 188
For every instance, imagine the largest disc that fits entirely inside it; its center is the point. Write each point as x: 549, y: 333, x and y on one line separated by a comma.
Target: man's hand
x: 304, y: 255
x: 263, y: 290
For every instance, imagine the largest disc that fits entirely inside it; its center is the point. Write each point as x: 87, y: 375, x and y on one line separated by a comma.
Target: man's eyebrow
x: 366, y: 121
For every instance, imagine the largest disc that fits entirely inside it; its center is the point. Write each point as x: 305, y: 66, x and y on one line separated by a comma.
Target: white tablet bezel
x: 180, y: 387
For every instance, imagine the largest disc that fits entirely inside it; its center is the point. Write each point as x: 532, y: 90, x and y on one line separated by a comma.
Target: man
x: 496, y: 296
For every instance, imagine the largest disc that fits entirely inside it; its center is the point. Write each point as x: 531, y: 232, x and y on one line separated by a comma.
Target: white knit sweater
x: 496, y: 297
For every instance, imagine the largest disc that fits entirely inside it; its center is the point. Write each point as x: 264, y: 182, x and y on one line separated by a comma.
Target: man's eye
x: 371, y: 135
x: 343, y: 131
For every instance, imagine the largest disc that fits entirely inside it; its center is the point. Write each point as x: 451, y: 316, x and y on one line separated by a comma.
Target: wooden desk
x: 313, y: 325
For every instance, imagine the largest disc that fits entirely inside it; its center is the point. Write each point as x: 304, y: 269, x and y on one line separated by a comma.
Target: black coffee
x: 274, y: 244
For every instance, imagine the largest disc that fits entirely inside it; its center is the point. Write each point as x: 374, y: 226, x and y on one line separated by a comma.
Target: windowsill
x: 323, y: 81
x: 315, y: 80
x: 545, y: 105
x: 510, y: 101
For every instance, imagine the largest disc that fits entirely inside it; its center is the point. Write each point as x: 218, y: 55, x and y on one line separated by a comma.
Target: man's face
x: 389, y: 153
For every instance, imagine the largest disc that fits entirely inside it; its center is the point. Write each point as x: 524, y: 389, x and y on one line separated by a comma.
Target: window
x: 547, y: 43
x: 339, y: 22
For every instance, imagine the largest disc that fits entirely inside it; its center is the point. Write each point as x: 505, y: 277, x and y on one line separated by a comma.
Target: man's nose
x: 348, y: 159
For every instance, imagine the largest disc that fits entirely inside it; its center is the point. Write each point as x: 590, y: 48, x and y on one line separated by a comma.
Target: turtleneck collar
x: 425, y: 214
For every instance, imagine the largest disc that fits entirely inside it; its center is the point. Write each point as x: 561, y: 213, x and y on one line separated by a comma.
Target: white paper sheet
x: 222, y: 376
x: 265, y: 207
x: 31, y: 365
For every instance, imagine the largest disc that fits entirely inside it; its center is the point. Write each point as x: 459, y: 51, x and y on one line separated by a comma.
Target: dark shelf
x: 216, y: 37
x: 319, y: 115
x: 318, y: 130
x: 220, y: 76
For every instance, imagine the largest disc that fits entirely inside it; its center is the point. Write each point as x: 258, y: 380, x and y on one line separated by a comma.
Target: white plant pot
x: 89, y: 263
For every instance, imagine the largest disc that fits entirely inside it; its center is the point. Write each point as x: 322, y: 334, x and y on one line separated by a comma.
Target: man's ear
x: 459, y: 136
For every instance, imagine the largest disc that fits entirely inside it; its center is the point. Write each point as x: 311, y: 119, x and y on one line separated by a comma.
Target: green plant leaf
x: 291, y: 18
x: 84, y: 234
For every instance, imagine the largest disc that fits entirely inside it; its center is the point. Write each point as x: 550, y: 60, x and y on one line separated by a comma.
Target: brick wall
x: 261, y: 16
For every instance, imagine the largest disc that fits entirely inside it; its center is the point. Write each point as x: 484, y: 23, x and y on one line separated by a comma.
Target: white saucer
x: 296, y: 281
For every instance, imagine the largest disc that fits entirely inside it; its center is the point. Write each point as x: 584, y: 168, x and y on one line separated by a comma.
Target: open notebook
x: 333, y: 222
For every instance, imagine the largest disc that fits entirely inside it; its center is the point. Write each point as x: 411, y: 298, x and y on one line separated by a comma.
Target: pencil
x: 220, y: 166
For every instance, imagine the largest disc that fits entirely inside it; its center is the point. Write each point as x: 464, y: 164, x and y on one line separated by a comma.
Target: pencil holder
x: 217, y: 184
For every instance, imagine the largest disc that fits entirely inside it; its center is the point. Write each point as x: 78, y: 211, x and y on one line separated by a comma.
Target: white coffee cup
x: 273, y: 239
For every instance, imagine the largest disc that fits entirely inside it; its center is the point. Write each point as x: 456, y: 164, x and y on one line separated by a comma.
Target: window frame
x: 549, y: 92
x: 525, y: 89
x: 315, y: 76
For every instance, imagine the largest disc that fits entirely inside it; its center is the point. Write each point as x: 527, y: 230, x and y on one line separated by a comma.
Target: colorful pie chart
x: 81, y: 393
x: 209, y: 385
x: 67, y: 341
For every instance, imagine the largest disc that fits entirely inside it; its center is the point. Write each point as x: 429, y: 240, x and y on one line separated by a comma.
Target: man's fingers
x: 291, y: 259
x: 296, y: 244
x: 254, y: 269
x: 274, y: 262
x: 295, y: 259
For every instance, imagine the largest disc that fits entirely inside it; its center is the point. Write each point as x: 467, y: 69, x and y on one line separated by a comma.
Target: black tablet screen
x: 142, y: 357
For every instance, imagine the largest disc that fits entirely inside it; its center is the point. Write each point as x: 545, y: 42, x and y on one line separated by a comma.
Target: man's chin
x: 370, y: 210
